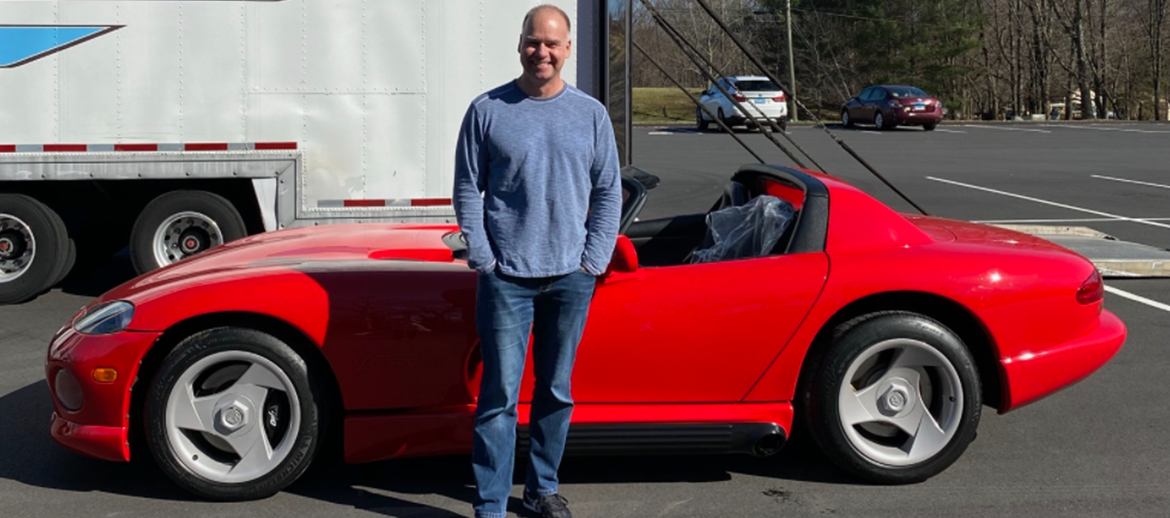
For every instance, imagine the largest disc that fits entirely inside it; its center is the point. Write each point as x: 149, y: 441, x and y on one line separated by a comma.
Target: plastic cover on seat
x: 749, y: 230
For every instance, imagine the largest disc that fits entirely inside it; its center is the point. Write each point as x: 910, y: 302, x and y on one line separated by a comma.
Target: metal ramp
x: 1115, y: 259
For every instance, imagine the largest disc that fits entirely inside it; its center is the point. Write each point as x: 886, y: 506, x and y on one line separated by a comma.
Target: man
x: 538, y: 198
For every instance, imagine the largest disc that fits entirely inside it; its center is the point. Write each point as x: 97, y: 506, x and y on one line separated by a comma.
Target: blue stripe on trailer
x: 23, y: 43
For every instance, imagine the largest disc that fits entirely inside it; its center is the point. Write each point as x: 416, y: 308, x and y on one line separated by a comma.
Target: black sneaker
x: 547, y: 506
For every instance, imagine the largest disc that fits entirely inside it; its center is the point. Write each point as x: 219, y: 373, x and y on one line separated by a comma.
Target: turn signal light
x: 105, y: 375
x: 1092, y: 290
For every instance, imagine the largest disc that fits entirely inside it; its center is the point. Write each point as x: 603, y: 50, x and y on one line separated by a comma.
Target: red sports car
x: 884, y: 334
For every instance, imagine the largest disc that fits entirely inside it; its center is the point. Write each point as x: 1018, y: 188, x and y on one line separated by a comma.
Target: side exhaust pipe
x: 768, y: 445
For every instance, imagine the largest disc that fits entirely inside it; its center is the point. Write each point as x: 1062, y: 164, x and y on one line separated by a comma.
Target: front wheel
x: 232, y: 414
x: 895, y: 398
x: 845, y: 120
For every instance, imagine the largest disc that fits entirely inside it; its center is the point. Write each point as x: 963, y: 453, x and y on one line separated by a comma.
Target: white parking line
x: 1130, y: 181
x: 661, y: 133
x: 1004, y: 128
x: 1105, y: 128
x: 948, y: 131
x: 1052, y: 203
x: 1137, y: 298
x: 1066, y: 220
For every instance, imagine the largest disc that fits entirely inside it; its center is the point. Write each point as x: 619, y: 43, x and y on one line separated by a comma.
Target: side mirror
x: 625, y: 258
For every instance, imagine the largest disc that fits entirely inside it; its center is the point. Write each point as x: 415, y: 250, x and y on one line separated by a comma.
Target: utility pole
x: 791, y: 64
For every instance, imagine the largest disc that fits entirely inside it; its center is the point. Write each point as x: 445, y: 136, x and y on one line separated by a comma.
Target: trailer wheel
x: 34, y: 248
x: 180, y: 224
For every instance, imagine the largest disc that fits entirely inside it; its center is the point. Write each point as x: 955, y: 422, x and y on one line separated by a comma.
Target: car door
x: 708, y: 101
x: 876, y: 102
x: 693, y: 332
x: 857, y: 110
x: 719, y: 100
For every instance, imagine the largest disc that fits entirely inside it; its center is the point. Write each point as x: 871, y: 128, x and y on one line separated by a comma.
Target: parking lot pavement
x: 1095, y: 449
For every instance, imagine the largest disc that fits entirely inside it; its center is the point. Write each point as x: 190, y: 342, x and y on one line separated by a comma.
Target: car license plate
x: 919, y: 107
x: 761, y: 100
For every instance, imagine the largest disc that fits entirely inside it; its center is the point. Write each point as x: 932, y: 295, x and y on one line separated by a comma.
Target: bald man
x: 538, y: 199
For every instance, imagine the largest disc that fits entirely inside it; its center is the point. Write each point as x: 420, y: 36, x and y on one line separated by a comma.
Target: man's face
x: 544, y: 46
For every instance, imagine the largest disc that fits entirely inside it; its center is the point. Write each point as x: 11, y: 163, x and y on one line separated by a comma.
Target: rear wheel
x: 701, y: 122
x: 34, y: 248
x: 726, y: 124
x: 233, y: 415
x: 894, y: 399
x: 930, y: 127
x: 879, y: 120
x: 180, y: 224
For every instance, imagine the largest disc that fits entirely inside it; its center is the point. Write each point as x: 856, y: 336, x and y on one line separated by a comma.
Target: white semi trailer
x: 171, y: 126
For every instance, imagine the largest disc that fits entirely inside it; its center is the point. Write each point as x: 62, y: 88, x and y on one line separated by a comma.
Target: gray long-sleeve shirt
x: 537, y: 188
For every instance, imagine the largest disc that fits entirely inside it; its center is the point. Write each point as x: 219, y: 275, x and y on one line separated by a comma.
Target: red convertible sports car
x: 882, y: 334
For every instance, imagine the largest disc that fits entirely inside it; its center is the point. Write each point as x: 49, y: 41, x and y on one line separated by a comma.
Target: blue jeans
x: 555, y: 309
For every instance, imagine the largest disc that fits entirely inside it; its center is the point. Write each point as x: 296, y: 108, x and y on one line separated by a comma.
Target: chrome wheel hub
x: 896, y: 397
x: 17, y: 247
x: 183, y: 235
x: 233, y: 416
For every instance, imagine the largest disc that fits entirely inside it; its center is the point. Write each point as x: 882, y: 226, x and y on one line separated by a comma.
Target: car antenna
x: 750, y: 56
x: 684, y: 45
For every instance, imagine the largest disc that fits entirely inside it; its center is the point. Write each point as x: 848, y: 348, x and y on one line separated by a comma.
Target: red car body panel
x: 100, y: 427
x: 392, y: 312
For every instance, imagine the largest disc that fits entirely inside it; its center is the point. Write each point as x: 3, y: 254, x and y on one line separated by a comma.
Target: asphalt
x: 1095, y: 449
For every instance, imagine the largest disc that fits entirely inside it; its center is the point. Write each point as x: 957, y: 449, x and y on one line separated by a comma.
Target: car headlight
x: 105, y: 318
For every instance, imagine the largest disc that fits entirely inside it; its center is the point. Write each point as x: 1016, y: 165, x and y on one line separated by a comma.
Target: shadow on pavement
x: 35, y: 460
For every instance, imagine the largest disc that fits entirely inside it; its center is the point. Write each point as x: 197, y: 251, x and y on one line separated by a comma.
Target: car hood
x: 285, y: 249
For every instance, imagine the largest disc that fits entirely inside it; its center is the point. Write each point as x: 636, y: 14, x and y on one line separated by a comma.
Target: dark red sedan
x: 887, y: 106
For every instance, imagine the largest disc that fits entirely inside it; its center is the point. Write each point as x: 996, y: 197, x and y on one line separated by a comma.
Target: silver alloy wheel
x: 879, y: 121
x: 233, y: 435
x: 184, y: 234
x: 902, y: 402
x: 845, y: 118
x: 17, y: 247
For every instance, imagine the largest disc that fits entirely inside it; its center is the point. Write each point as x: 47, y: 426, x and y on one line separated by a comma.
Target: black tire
x: 827, y: 370
x: 879, y: 121
x: 302, y: 443
x: 930, y: 127
x: 722, y: 118
x: 49, y: 243
x: 211, y: 206
x: 783, y: 123
x: 845, y: 119
x: 701, y: 122
x: 70, y: 262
